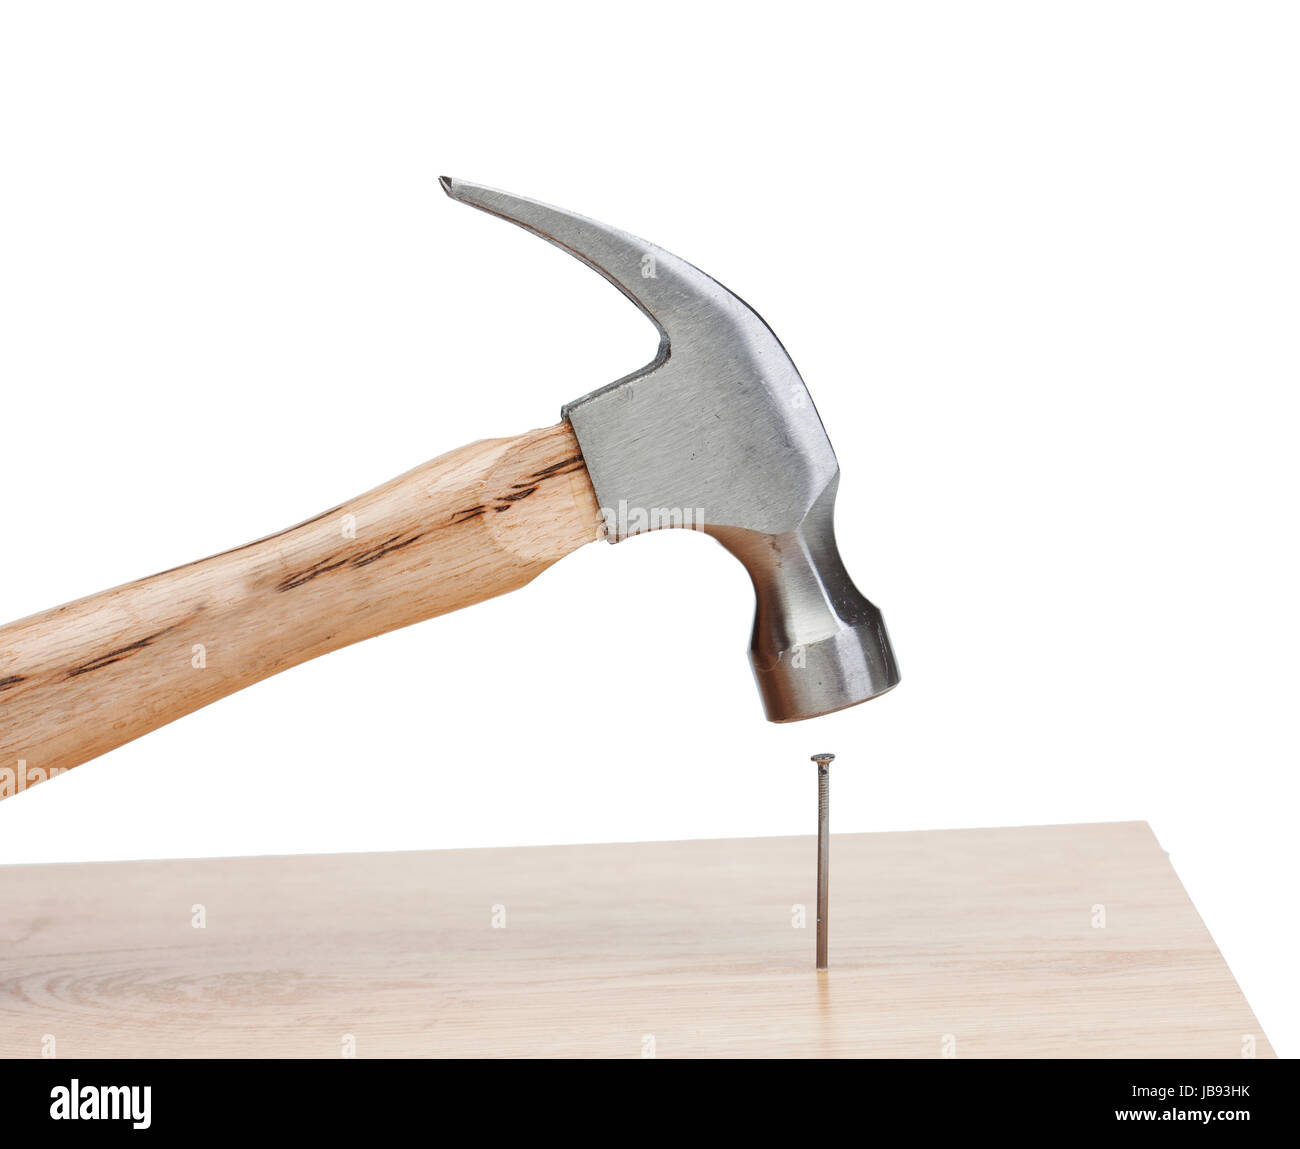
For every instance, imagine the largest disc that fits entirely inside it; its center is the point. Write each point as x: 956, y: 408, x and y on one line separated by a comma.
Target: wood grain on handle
x: 81, y: 679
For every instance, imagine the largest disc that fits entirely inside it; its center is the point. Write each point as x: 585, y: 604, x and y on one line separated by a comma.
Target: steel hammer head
x: 718, y: 433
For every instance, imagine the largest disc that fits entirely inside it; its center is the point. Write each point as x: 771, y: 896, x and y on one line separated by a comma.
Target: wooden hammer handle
x: 81, y: 679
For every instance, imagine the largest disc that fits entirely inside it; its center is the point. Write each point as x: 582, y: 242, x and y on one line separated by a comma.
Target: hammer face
x: 818, y: 645
x: 719, y: 434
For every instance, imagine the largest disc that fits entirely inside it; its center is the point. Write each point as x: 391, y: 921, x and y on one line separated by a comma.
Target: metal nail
x: 823, y: 853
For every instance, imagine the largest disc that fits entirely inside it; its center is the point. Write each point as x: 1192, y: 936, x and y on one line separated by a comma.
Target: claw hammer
x: 717, y: 434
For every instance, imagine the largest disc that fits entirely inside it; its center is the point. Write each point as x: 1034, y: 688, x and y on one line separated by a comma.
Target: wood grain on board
x: 972, y: 943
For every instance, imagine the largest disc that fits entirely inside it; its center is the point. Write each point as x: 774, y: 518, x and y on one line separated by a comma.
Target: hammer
x: 717, y: 434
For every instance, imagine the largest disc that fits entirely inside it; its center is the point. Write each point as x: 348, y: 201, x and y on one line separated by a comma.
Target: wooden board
x: 973, y: 943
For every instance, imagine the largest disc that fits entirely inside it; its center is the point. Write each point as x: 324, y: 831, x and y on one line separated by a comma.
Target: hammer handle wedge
x: 81, y: 679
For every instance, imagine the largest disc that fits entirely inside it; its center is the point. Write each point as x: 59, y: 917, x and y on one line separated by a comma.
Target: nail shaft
x: 823, y: 856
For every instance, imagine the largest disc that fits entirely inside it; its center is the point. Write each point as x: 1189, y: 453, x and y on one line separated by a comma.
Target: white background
x: 1037, y: 262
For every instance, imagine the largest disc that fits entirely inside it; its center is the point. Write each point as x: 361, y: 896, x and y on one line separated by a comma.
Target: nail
x: 823, y: 854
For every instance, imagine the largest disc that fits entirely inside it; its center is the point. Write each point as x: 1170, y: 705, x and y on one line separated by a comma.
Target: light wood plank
x: 984, y: 935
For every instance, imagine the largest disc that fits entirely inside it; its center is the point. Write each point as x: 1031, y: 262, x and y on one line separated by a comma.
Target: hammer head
x: 718, y: 433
